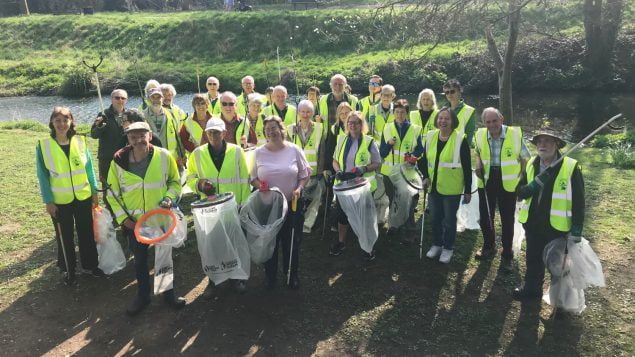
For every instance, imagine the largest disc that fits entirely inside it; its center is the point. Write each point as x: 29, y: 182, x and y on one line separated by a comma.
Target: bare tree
x: 602, y: 21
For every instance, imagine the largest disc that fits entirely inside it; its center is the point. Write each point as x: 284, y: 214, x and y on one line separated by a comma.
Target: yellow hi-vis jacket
x: 312, y: 146
x: 450, y: 171
x: 323, y: 106
x: 68, y: 176
x: 561, y: 197
x: 194, y: 129
x: 401, y: 147
x: 415, y: 118
x: 362, y: 157
x: 232, y: 177
x: 141, y: 194
x: 377, y: 128
x: 289, y: 117
x: 510, y: 156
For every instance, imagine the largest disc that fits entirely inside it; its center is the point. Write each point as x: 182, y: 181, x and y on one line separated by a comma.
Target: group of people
x: 239, y: 144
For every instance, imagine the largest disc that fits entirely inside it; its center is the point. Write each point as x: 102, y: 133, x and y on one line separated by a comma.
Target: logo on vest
x: 363, y: 157
x: 509, y: 152
x: 562, y: 183
x: 76, y: 161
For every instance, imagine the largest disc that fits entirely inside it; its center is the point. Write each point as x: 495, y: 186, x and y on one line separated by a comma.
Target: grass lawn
x: 395, y: 305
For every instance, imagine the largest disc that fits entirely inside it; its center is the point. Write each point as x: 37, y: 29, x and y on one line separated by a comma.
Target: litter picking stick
x: 564, y: 264
x: 576, y: 146
x: 489, y: 215
x: 278, y: 59
x: 198, y: 80
x: 94, y: 68
x: 58, y: 233
x: 294, y: 206
x: 423, y: 215
x: 326, y: 207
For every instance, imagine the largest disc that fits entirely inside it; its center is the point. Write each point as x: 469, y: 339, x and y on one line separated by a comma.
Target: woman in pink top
x: 282, y: 164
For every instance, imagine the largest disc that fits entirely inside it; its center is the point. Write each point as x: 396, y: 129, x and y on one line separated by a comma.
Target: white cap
x: 215, y: 123
x: 140, y: 125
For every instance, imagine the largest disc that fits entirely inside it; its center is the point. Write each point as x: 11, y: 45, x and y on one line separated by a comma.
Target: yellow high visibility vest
x: 367, y: 106
x: 450, y: 171
x: 510, y: 156
x: 68, y: 176
x: 142, y: 194
x: 312, y: 146
x: 194, y: 129
x: 381, y: 120
x: 362, y: 157
x: 289, y: 117
x: 232, y: 177
x: 260, y: 130
x: 324, y: 107
x: 215, y: 108
x: 242, y: 103
x: 395, y: 156
x: 561, y: 198
x: 415, y: 118
x: 464, y: 116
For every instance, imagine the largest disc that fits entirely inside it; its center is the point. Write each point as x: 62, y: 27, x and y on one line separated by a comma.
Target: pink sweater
x: 282, y: 169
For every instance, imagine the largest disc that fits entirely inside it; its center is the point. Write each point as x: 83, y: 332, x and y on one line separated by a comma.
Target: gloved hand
x: 575, y: 234
x: 410, y: 159
x: 359, y: 170
x: 339, y: 175
x: 527, y: 190
x: 206, y: 186
x: 426, y: 184
x: 264, y: 185
x: 544, y: 176
x: 166, y: 202
x: 573, y: 238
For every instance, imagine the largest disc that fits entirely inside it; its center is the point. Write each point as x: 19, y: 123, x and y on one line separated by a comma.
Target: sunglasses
x: 227, y: 104
x: 374, y: 84
x: 119, y: 98
x: 451, y: 91
x: 212, y: 84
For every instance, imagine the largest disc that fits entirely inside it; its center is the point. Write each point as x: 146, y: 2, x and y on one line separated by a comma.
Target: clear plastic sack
x: 403, y: 193
x: 313, y: 193
x: 519, y: 232
x: 262, y: 217
x: 359, y: 206
x: 111, y: 256
x: 382, y: 202
x: 468, y: 215
x: 221, y: 242
x: 571, y: 273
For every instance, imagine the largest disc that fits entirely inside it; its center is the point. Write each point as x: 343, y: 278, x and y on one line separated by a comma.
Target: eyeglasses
x: 212, y: 84
x: 119, y: 98
x: 354, y: 122
x: 451, y: 91
x: 227, y: 104
x: 374, y: 84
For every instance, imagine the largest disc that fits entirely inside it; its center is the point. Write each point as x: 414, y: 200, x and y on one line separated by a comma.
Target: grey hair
x: 491, y: 110
x: 153, y: 83
x: 281, y: 88
x: 168, y: 87
x: 429, y: 92
x: 306, y: 103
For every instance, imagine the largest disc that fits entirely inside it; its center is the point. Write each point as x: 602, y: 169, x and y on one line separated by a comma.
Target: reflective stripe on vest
x: 362, y: 157
x: 194, y: 129
x: 395, y: 156
x: 312, y: 146
x: 216, y: 108
x: 415, y: 118
x: 141, y: 194
x: 377, y: 128
x: 510, y: 156
x: 561, y: 198
x: 450, y: 171
x: 229, y: 178
x: 68, y: 176
x: 464, y: 116
x: 324, y: 108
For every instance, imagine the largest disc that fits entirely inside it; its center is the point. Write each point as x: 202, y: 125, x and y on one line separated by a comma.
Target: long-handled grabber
x: 58, y: 234
x: 294, y: 207
x: 94, y: 68
x: 423, y: 215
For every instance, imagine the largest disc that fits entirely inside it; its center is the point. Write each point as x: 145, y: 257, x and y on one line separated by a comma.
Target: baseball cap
x: 215, y: 123
x: 140, y: 125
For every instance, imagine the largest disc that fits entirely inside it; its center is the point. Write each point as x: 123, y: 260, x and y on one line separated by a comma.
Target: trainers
x: 97, y: 273
x: 240, y: 286
x: 208, y: 293
x: 446, y: 255
x: 369, y: 256
x: 175, y: 302
x: 434, y: 252
x: 337, y: 248
x: 486, y: 254
x: 138, y: 304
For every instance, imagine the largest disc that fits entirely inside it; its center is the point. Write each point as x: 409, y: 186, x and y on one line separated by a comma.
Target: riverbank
x: 42, y: 54
x: 396, y: 305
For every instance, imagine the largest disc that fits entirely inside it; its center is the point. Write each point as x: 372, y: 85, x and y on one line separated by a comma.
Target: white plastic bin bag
x: 111, y: 256
x: 262, y: 217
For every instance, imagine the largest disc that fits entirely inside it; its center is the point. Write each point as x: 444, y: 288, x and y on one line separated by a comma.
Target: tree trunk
x: 602, y: 22
x: 502, y: 64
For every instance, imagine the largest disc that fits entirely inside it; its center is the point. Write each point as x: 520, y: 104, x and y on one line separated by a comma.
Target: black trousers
x: 77, y: 215
x: 537, y: 239
x: 284, y: 239
x: 506, y: 201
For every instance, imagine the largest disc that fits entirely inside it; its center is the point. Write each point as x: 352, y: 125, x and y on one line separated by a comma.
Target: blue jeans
x: 443, y: 214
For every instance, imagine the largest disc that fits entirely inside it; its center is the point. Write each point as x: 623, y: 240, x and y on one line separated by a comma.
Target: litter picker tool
x: 278, y: 59
x: 297, y: 98
x: 423, y: 216
x: 294, y: 207
x: 58, y: 233
x: 94, y: 67
x: 326, y: 205
x: 489, y: 215
x: 198, y: 80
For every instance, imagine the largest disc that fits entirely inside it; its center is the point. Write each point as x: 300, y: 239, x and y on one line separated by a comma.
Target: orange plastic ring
x: 144, y: 240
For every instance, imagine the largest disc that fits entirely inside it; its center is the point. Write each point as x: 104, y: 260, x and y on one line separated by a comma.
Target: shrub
x: 623, y: 155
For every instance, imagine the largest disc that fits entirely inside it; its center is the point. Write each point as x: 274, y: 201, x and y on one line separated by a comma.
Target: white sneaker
x: 434, y: 252
x: 446, y: 255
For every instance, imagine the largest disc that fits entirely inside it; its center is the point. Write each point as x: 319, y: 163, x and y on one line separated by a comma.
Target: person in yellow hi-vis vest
x: 279, y: 107
x: 426, y: 114
x: 553, y: 206
x: 142, y: 177
x: 213, y: 95
x: 447, y: 170
x: 356, y: 155
x: 256, y: 118
x: 466, y: 114
x: 400, y: 142
x: 69, y: 190
x: 381, y: 113
x: 367, y: 104
x: 219, y: 167
x: 165, y: 126
x: 309, y: 136
x: 501, y: 157
x: 248, y: 85
x: 169, y: 92
x: 192, y: 132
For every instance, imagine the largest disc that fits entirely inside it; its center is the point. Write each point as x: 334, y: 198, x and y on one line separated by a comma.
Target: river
x: 573, y: 113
